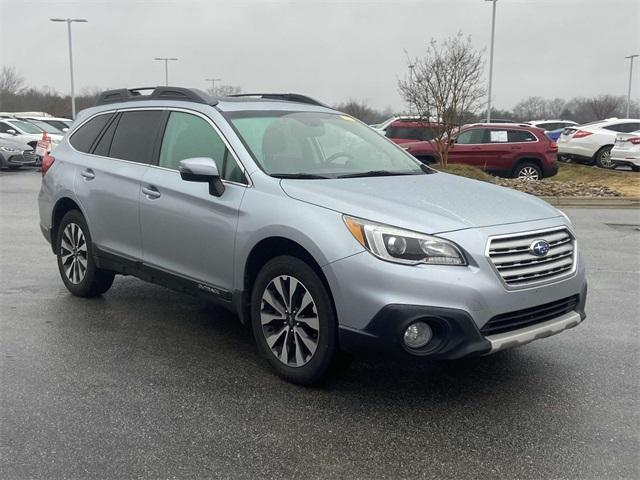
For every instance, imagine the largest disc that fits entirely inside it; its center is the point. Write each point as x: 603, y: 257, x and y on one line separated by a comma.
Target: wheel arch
x: 60, y: 209
x: 264, y: 250
x: 537, y: 161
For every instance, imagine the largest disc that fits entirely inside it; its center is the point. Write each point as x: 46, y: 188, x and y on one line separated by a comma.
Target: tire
x: 528, y: 171
x: 635, y: 168
x: 603, y: 158
x: 74, y: 250
x: 310, y: 336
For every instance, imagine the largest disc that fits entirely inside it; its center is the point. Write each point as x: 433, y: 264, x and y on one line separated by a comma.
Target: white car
x: 626, y: 150
x: 552, y: 128
x: 62, y: 124
x: 27, y: 132
x: 592, y: 142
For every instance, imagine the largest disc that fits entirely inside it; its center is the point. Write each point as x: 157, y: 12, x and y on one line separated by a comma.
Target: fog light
x: 417, y: 335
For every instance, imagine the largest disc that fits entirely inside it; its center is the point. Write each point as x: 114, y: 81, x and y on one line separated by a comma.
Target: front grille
x: 529, y: 316
x: 518, y: 267
x: 29, y: 156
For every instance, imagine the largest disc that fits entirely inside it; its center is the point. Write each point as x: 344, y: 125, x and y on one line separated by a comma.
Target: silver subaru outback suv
x: 321, y: 234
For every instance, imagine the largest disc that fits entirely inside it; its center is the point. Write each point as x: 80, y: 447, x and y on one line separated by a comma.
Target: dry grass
x: 625, y: 182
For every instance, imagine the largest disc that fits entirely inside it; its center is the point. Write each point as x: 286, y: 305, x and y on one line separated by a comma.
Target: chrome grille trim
x: 517, y: 268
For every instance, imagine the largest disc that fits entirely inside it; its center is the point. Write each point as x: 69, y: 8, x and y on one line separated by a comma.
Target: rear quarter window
x: 521, y: 136
x: 135, y: 136
x: 83, y: 137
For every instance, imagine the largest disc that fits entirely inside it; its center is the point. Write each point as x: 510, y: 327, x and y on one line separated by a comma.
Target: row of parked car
x: 19, y: 135
x: 527, y: 150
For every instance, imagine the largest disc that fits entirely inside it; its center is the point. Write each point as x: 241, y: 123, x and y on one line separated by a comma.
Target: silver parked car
x: 320, y: 233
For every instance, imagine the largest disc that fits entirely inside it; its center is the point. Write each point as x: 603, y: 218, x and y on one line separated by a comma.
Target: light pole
x: 166, y: 67
x: 69, y: 21
x: 493, y: 35
x: 630, y: 57
x: 213, y: 83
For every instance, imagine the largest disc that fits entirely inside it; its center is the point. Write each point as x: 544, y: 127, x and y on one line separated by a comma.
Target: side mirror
x: 11, y: 131
x: 452, y: 141
x: 202, y: 169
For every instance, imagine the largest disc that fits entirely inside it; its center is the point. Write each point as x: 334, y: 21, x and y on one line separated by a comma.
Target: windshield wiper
x: 377, y: 173
x: 302, y: 176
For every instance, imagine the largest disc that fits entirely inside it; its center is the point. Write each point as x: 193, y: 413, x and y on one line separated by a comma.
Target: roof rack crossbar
x: 165, y: 93
x: 288, y: 97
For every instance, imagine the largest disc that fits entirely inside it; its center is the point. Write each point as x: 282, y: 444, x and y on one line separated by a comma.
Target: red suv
x: 411, y: 130
x: 507, y: 150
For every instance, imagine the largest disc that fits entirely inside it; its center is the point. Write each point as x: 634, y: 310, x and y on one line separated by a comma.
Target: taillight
x: 553, y: 146
x: 634, y: 140
x: 47, y: 161
x: 581, y: 134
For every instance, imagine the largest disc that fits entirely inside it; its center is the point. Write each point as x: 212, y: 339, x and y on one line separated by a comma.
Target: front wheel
x: 528, y: 172
x: 603, y: 158
x: 77, y: 267
x: 293, y: 321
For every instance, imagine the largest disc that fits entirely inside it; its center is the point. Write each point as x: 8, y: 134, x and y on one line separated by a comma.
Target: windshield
x: 25, y: 126
x: 319, y: 145
x: 46, y: 127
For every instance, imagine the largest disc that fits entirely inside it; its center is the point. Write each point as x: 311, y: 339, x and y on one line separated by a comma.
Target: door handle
x: 151, y: 192
x: 88, y: 174
x: 516, y: 148
x: 476, y: 148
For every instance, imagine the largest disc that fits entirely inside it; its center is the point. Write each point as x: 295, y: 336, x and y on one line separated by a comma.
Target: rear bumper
x: 549, y: 170
x: 630, y: 160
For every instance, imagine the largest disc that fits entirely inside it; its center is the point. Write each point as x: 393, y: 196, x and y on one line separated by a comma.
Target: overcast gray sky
x: 332, y: 50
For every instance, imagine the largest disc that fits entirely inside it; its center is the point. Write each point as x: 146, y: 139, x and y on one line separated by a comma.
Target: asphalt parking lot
x: 148, y: 383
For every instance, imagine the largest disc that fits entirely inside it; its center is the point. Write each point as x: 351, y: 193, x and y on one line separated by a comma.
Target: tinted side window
x: 135, y: 135
x: 623, y: 127
x: 189, y: 136
x: 521, y: 136
x: 83, y: 138
x: 4, y: 127
x: 473, y: 136
x: 104, y: 142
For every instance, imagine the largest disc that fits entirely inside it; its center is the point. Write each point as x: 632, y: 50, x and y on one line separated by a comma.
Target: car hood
x: 17, y: 144
x: 433, y: 203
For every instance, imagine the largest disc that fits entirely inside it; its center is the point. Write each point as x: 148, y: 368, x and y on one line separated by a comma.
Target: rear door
x: 118, y: 148
x: 185, y: 230
x: 469, y: 148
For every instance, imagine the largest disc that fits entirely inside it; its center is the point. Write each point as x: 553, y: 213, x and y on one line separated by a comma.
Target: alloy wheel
x: 290, y: 321
x: 528, y: 174
x: 73, y: 253
x: 605, y: 159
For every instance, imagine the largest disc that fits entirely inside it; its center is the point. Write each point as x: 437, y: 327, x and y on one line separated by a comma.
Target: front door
x: 186, y: 231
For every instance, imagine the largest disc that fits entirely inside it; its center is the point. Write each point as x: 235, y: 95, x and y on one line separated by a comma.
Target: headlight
x: 403, y: 246
x: 10, y: 150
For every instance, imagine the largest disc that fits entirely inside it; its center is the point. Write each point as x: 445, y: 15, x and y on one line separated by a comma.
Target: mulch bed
x: 546, y: 188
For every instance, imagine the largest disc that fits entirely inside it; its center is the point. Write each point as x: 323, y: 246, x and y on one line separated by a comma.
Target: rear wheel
x: 77, y: 267
x: 635, y: 168
x: 603, y: 158
x: 293, y: 320
x: 528, y: 171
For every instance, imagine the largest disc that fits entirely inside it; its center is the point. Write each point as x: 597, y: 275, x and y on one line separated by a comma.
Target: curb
x: 594, y: 202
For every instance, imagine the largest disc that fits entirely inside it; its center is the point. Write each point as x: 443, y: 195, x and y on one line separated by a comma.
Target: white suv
x: 592, y: 142
x: 25, y: 131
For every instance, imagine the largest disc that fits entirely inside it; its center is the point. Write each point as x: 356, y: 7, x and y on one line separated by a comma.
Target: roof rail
x: 287, y: 97
x: 165, y: 93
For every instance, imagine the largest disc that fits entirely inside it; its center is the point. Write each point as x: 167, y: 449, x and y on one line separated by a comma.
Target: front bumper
x: 376, y: 300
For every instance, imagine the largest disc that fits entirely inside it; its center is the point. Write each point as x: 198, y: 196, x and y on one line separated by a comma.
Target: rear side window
x: 411, y: 133
x: 104, y: 141
x: 521, y: 136
x: 473, y: 136
x: 623, y: 127
x: 135, y: 136
x: 83, y: 138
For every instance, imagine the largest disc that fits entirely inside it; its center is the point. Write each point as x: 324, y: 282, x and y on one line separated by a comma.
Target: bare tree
x: 363, y: 112
x: 446, y: 86
x: 531, y: 108
x: 10, y: 81
x: 604, y: 106
x: 555, y: 107
x: 224, y: 90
